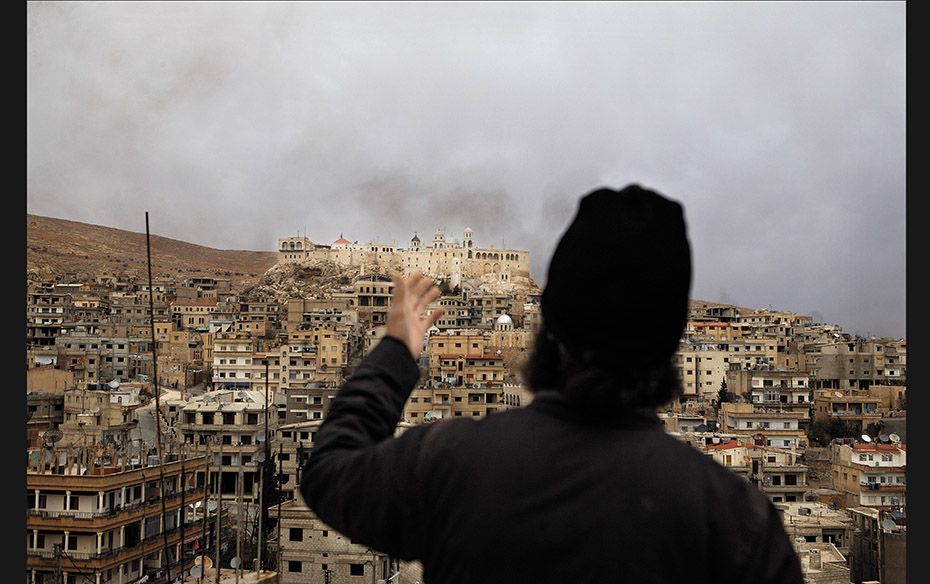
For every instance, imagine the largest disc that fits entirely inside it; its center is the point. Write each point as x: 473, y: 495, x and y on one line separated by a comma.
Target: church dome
x: 504, y: 319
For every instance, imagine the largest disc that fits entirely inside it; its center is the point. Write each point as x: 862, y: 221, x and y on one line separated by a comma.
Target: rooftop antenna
x: 161, y: 459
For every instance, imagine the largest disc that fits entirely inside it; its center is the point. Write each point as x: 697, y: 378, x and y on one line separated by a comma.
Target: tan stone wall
x: 49, y: 380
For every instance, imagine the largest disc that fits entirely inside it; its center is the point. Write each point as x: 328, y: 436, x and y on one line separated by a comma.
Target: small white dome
x: 504, y: 319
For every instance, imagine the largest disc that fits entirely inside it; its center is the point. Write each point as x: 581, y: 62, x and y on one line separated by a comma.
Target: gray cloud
x: 779, y: 126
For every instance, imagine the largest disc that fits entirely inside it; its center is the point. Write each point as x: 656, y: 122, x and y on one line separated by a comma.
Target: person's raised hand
x: 411, y: 297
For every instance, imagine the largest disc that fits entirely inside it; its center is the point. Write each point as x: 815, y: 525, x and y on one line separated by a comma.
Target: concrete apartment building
x: 428, y: 404
x: 774, y: 426
x: 313, y: 553
x: 893, y: 398
x: 232, y: 360
x: 306, y: 403
x: 818, y: 523
x: 701, y: 367
x: 43, y: 412
x: 309, y: 312
x: 871, y: 474
x: 878, y: 552
x: 766, y: 386
x: 193, y: 314
x: 230, y: 426
x: 857, y: 407
x: 372, y: 298
x: 456, y: 313
x: 487, y: 308
x: 47, y: 313
x: 293, y: 446
x: 858, y: 363
x: 92, y: 414
x: 116, y: 353
x: 775, y: 471
x: 107, y: 526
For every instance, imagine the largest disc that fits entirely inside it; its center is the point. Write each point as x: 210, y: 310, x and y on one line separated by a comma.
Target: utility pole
x: 240, y: 520
x: 261, y: 485
x: 280, y: 474
x: 161, y: 457
x: 58, y: 563
x: 181, y: 518
x: 219, y: 508
x: 203, y: 527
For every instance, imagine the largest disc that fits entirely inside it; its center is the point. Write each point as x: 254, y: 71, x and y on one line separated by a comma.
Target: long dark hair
x: 588, y: 380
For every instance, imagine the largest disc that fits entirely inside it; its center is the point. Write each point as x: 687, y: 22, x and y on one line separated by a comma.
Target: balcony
x: 108, y: 519
x: 91, y: 561
x: 882, y: 488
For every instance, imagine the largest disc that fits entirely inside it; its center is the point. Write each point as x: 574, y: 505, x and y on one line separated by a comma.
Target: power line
x: 81, y: 574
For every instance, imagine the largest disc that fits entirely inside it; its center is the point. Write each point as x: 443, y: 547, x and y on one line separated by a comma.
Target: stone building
x: 442, y: 259
x: 106, y: 526
x: 871, y: 474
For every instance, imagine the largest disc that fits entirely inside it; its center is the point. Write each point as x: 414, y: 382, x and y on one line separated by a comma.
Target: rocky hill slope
x: 55, y: 247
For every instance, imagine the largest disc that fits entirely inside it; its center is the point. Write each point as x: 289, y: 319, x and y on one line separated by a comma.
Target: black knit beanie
x: 619, y: 279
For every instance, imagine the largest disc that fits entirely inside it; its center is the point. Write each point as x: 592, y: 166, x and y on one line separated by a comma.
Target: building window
x: 296, y: 534
x: 294, y: 566
x: 356, y: 569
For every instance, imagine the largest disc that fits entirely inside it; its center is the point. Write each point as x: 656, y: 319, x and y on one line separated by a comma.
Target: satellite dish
x: 203, y: 561
x: 197, y: 571
x: 260, y: 457
x: 260, y: 438
x: 211, y: 505
x: 35, y: 456
x: 895, y: 439
x: 838, y: 393
x: 114, y: 384
x: 883, y: 438
x: 234, y: 563
x: 95, y: 411
x: 53, y: 436
x: 866, y: 438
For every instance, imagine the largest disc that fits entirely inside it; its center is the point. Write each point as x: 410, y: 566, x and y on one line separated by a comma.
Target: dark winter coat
x: 538, y: 494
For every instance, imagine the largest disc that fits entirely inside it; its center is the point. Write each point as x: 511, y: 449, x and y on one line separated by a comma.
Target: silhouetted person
x: 582, y: 485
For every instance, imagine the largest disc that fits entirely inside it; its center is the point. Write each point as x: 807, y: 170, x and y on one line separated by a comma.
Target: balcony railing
x: 71, y: 514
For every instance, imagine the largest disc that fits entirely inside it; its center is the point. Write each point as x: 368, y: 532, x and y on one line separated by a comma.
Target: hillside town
x: 168, y: 422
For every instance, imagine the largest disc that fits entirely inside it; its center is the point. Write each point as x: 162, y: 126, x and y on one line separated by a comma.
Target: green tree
x: 724, y: 396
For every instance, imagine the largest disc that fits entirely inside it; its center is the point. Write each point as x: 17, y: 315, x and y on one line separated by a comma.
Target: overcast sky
x: 779, y: 126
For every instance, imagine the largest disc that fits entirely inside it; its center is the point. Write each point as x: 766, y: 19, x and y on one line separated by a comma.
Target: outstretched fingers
x: 400, y: 287
x: 426, y: 298
x: 433, y: 317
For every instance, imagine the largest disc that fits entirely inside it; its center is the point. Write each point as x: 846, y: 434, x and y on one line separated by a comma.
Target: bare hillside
x: 58, y: 246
